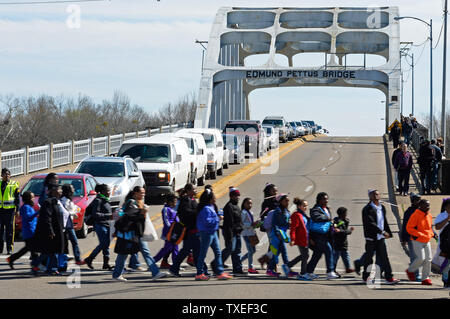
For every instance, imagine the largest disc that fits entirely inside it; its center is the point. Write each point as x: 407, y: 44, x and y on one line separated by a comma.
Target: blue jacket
x: 280, y: 219
x: 208, y: 220
x: 29, y: 221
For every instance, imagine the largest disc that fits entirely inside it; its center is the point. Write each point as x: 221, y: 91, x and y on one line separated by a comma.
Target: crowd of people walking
x: 47, y: 233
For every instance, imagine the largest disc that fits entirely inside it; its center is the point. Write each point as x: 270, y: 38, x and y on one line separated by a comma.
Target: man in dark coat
x: 49, y: 235
x: 425, y: 160
x: 395, y: 133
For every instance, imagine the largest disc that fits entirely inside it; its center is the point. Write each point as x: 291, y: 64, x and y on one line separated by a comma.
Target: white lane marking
x: 331, y: 158
x: 307, y: 189
x: 340, y: 146
x: 324, y: 169
x: 336, y: 152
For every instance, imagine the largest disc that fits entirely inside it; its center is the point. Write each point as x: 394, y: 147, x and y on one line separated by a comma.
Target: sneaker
x: 293, y: 274
x: 332, y: 275
x: 239, y: 273
x: 120, y: 278
x: 226, y: 266
x: 411, y: 276
x: 271, y: 273
x: 286, y: 270
x: 313, y: 276
x: 11, y: 264
x: 418, y: 279
x: 305, y: 277
x: 79, y: 263
x: 224, y: 276
x: 349, y: 271
x: 174, y: 274
x: 159, y: 275
x: 136, y: 269
x: 35, y: 271
x: 201, y: 277
x: 164, y: 265
x: 427, y: 282
x: 392, y: 281
x: 253, y: 271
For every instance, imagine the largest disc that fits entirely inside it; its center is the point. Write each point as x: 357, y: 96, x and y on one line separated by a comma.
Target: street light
x: 431, y: 66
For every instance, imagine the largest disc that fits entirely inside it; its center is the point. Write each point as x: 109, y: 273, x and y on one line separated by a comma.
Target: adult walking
x: 395, y: 133
x: 101, y: 213
x: 407, y: 129
x: 435, y: 165
x: 270, y: 203
x: 49, y: 235
x: 405, y: 237
x: 394, y: 157
x: 376, y: 231
x: 208, y: 224
x: 187, y: 213
x: 440, y: 222
x: 129, y: 232
x: 29, y: 222
x: 420, y: 228
x: 403, y: 165
x: 231, y: 231
x: 50, y: 179
x: 9, y: 203
x: 425, y: 160
x: 320, y: 234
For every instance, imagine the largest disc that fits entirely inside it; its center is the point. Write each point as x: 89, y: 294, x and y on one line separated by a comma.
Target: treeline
x: 35, y: 121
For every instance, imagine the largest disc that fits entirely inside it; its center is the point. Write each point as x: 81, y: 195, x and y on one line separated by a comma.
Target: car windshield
x: 230, y: 141
x: 190, y: 143
x: 241, y: 127
x: 293, y: 124
x: 209, y: 140
x: 298, y: 123
x: 268, y: 130
x: 274, y: 122
x: 35, y: 185
x: 310, y: 123
x: 146, y: 153
x: 102, y: 169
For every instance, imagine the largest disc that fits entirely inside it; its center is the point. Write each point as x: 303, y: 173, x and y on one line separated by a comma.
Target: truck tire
x: 220, y: 171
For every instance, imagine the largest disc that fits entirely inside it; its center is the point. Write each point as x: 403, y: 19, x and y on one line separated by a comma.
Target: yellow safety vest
x: 7, y: 198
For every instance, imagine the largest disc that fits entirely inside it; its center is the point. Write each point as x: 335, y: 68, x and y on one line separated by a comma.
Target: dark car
x: 84, y: 185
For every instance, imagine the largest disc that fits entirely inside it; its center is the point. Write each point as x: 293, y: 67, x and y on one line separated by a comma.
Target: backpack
x: 176, y: 233
x: 88, y: 217
x: 267, y: 224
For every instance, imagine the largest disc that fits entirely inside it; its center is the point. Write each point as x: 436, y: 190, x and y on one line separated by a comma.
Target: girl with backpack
x: 248, y: 233
x: 270, y: 203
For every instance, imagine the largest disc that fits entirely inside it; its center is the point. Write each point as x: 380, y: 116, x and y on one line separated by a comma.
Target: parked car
x: 265, y: 141
x: 298, y: 129
x: 226, y: 156
x: 84, y: 185
x: 272, y: 136
x: 214, y: 149
x: 308, y: 127
x: 121, y: 174
x: 164, y: 162
x: 313, y: 126
x: 291, y: 133
x: 280, y: 123
x: 251, y: 130
x: 198, y: 157
x: 236, y: 147
x: 299, y: 126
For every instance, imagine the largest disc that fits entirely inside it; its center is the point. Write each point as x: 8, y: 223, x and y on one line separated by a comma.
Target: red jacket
x: 299, y: 234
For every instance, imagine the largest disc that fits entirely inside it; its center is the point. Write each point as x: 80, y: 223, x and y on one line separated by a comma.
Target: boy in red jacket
x: 299, y: 236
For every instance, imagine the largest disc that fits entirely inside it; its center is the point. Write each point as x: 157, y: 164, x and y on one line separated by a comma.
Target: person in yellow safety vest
x: 9, y: 201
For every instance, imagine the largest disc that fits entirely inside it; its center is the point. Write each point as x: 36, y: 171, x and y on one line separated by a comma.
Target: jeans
x: 74, y: 240
x: 345, y: 258
x: 134, y: 260
x: 207, y: 240
x: 425, y: 178
x: 403, y: 180
x: 323, y: 246
x: 446, y: 273
x: 434, y: 175
x: 412, y: 256
x: 7, y: 228
x: 233, y: 248
x: 250, y: 252
x: 303, y: 257
x: 190, y: 241
x: 280, y: 245
x: 49, y: 260
x: 424, y: 257
x: 378, y: 247
x: 104, y: 241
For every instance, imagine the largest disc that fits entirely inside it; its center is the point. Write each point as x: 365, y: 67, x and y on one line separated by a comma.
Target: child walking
x: 340, y: 242
x: 169, y: 216
x: 248, y: 223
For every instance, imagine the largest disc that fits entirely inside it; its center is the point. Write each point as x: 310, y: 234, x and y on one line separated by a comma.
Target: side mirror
x: 133, y: 174
x: 92, y: 193
x: 178, y: 158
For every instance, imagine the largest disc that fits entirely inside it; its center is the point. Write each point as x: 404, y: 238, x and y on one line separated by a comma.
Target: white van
x: 164, y: 162
x: 198, y: 157
x: 214, y: 149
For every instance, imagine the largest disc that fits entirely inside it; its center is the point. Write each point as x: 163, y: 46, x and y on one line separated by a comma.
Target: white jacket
x: 247, y: 223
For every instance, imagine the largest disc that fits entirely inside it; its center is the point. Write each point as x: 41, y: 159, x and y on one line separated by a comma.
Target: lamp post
x: 430, y: 25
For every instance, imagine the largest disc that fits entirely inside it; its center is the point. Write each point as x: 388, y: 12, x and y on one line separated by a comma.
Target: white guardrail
x: 28, y: 160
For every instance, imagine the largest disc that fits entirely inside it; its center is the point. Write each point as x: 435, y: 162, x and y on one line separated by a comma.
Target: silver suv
x: 121, y: 174
x: 280, y: 123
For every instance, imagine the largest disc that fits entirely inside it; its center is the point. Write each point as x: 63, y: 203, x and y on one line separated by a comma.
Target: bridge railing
x: 28, y: 160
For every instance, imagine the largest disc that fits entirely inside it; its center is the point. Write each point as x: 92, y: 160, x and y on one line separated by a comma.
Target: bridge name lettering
x: 267, y: 74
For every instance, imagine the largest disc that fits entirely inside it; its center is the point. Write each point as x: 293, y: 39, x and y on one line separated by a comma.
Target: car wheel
x: 225, y: 166
x: 213, y: 175
x: 220, y: 171
x: 83, y: 232
x: 201, y: 180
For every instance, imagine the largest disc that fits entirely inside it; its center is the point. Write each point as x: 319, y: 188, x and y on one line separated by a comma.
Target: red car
x: 84, y: 185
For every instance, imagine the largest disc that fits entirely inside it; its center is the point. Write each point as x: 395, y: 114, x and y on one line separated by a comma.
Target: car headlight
x: 164, y: 177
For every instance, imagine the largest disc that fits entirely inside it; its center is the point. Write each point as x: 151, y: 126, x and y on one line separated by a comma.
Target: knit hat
x: 234, y: 191
x: 280, y: 197
x: 370, y: 191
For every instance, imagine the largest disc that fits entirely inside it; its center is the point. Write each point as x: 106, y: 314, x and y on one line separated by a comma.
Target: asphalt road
x: 343, y: 167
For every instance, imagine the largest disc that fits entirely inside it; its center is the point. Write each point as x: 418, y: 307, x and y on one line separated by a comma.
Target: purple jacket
x: 169, y: 215
x: 403, y: 161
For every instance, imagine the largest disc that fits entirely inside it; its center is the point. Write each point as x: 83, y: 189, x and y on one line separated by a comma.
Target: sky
x: 147, y: 50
